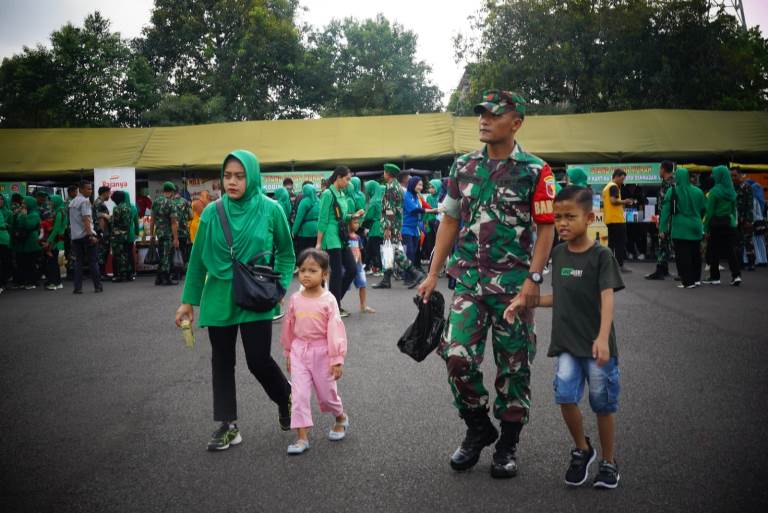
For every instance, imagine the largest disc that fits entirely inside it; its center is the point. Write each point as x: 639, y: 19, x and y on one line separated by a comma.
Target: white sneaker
x: 711, y: 282
x: 50, y: 286
x: 30, y: 287
x: 736, y: 281
x: 1, y: 290
x: 59, y: 286
x: 641, y: 257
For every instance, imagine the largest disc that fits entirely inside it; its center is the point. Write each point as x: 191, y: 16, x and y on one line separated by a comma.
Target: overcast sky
x: 436, y: 22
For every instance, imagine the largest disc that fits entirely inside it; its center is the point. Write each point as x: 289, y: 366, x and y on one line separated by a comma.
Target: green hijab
x: 438, y: 185
x: 370, y: 189
x: 308, y: 192
x: 379, y: 194
x: 723, y: 188
x: 6, y: 208
x: 283, y: 197
x: 31, y: 203
x: 248, y: 217
x: 578, y: 177
x: 684, y: 192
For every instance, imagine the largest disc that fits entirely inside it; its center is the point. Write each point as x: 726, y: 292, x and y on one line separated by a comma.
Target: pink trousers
x: 311, y: 368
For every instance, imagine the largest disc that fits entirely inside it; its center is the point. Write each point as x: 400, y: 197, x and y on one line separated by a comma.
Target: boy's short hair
x: 288, y: 181
x: 579, y: 195
x: 103, y: 189
x: 668, y: 166
x: 619, y: 172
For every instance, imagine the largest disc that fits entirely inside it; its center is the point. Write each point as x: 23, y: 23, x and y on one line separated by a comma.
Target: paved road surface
x: 104, y: 409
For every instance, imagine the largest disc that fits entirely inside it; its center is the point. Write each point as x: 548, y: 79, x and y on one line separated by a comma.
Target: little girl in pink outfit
x: 315, y: 343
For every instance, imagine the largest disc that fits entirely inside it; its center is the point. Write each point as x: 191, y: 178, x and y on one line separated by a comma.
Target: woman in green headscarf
x: 133, y: 234
x: 55, y: 244
x: 305, y: 226
x: 283, y: 198
x: 372, y: 220
x: 577, y: 177
x: 430, y: 219
x: 720, y: 227
x: 26, y: 244
x: 259, y: 229
x: 6, y: 262
x: 357, y: 195
x: 681, y: 212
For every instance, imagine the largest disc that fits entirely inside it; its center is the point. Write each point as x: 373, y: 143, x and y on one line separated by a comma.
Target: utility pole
x: 732, y: 7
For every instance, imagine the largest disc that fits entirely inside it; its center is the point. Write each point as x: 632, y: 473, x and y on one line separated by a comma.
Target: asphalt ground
x: 104, y: 409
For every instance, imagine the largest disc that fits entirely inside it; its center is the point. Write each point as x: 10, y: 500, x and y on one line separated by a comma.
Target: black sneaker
x: 226, y: 435
x: 343, y: 313
x: 736, y: 281
x: 578, y: 471
x: 284, y: 415
x: 608, y: 476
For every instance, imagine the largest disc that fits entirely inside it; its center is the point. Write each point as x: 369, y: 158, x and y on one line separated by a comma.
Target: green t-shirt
x: 577, y: 281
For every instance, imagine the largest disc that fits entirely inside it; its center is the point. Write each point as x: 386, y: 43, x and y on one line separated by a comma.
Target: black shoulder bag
x: 343, y: 228
x: 254, y: 287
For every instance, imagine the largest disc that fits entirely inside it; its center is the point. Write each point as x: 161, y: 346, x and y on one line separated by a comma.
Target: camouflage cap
x: 392, y: 169
x: 169, y: 187
x: 497, y: 102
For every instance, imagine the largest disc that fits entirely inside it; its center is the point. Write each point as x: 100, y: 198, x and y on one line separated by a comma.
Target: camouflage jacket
x: 745, y: 207
x: 392, y: 209
x: 498, y: 203
x: 163, y: 214
x: 184, y: 213
x: 121, y: 222
x: 665, y: 186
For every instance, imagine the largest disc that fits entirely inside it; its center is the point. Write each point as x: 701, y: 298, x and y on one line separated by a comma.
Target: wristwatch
x: 536, y: 278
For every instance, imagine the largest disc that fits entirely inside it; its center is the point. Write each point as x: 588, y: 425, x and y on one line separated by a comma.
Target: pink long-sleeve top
x: 312, y: 320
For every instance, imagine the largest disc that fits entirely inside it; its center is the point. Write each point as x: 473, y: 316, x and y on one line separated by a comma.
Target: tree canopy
x: 603, y: 55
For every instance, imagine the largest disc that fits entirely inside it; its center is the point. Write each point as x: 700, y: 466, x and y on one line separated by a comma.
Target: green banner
x: 272, y: 181
x: 645, y: 173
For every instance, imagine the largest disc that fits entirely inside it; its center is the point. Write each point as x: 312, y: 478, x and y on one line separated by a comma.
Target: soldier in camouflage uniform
x: 392, y: 224
x: 745, y: 212
x: 503, y: 198
x: 121, y: 228
x: 184, y: 213
x: 102, y: 225
x: 165, y: 227
x: 664, y: 249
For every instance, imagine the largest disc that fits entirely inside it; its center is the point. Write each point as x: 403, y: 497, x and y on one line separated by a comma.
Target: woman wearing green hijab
x: 681, y: 212
x: 356, y: 194
x: 720, y: 227
x: 430, y: 219
x: 133, y: 234
x: 372, y: 220
x: 283, y: 198
x: 6, y: 262
x: 55, y: 244
x: 305, y: 226
x: 26, y: 245
x: 577, y: 176
x: 259, y: 229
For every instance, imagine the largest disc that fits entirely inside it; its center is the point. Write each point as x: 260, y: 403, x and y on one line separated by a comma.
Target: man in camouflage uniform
x: 392, y: 224
x: 102, y: 225
x: 121, y: 228
x: 664, y: 250
x: 745, y: 211
x: 165, y: 227
x: 184, y: 213
x: 503, y: 198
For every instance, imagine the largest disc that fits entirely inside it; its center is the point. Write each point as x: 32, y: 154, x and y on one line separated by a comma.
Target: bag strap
x: 225, y: 227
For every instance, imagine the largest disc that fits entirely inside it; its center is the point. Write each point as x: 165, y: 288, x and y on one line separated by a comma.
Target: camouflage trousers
x: 402, y: 262
x: 664, y: 251
x: 746, y: 243
x: 463, y: 347
x: 165, y: 250
x: 121, y: 264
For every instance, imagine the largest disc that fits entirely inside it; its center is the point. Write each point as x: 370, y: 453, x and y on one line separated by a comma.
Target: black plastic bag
x: 152, y: 257
x: 423, y: 336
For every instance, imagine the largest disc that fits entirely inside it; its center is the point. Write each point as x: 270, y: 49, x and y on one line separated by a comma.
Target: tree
x: 365, y: 68
x: 601, y: 55
x: 28, y: 96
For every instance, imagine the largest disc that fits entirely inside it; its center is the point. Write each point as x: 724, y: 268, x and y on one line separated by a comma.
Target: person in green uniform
x: 332, y: 234
x: 283, y: 198
x: 499, y: 195
x: 132, y: 235
x: 664, y: 248
x: 122, y: 221
x: 357, y: 195
x: 26, y: 245
x: 430, y: 219
x: 577, y: 176
x: 392, y: 205
x: 55, y: 243
x: 258, y: 228
x: 372, y: 221
x: 307, y: 214
x: 165, y: 227
x: 184, y: 213
x: 720, y: 223
x: 6, y: 261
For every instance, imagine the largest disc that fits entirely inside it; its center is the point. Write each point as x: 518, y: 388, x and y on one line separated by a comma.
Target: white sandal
x: 335, y: 436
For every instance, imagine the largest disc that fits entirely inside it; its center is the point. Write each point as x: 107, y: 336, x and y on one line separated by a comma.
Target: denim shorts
x: 571, y: 373
x: 360, y: 280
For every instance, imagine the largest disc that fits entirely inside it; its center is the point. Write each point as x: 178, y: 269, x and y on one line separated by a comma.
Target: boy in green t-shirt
x: 585, y: 276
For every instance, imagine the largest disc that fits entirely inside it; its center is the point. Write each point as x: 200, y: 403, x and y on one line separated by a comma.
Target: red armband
x: 544, y: 197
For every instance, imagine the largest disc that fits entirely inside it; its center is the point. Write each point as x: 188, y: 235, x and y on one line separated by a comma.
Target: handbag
x: 343, y: 228
x: 423, y: 336
x: 254, y: 287
x: 387, y: 255
x: 152, y: 257
x: 178, y: 259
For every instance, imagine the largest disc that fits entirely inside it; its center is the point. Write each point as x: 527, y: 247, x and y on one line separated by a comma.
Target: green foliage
x: 602, y: 55
x: 28, y: 96
x: 366, y: 68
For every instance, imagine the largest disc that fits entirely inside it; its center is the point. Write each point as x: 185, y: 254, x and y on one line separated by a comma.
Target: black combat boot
x: 660, y: 273
x: 159, y: 278
x: 167, y: 280
x: 505, y: 457
x: 480, y: 433
x: 386, y: 281
x: 417, y: 276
